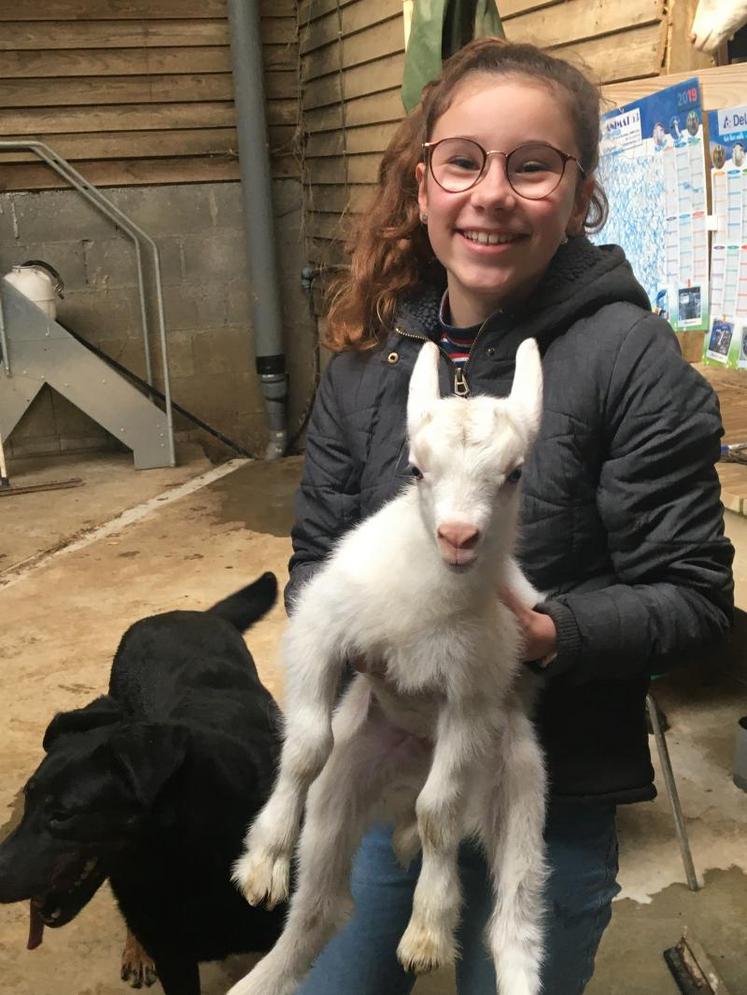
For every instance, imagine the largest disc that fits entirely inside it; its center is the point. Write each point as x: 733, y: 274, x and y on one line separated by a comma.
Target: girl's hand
x: 538, y: 630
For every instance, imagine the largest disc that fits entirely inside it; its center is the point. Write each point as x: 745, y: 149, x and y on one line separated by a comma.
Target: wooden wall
x: 136, y: 91
x: 352, y: 58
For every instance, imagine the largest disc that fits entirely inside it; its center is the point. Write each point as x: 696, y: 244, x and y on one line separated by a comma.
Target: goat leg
x: 342, y: 803
x: 465, y: 731
x: 313, y: 666
x: 513, y: 837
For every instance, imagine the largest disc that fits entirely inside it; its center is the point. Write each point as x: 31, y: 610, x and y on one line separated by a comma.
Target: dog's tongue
x: 36, y: 927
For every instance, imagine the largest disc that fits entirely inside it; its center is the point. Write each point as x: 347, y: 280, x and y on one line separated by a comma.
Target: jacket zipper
x: 461, y: 385
x: 462, y: 373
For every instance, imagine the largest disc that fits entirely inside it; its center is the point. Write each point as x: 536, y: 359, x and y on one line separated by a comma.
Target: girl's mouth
x: 489, y: 239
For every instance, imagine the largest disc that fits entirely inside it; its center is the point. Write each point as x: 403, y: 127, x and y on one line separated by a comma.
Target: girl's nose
x: 494, y: 190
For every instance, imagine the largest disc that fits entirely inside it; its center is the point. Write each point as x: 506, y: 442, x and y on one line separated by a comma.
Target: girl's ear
x: 584, y: 193
x: 422, y: 193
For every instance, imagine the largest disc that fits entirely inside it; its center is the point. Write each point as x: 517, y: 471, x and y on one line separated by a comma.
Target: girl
x: 476, y: 239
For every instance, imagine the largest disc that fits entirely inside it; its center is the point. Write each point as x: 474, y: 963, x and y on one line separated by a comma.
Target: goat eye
x: 515, y: 476
x: 416, y: 471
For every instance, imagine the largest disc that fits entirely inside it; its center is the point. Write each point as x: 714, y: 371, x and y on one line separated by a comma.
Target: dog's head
x: 84, y: 803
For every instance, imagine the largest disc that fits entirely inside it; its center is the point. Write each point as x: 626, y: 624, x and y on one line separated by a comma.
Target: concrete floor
x: 70, y: 584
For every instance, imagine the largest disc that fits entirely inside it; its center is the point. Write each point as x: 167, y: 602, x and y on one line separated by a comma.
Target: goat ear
x: 526, y: 391
x: 424, y: 389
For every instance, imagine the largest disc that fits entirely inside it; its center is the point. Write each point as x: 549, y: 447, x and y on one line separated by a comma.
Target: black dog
x: 152, y: 786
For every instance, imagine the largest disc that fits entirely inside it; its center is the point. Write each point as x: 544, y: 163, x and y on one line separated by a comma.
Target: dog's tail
x: 248, y: 605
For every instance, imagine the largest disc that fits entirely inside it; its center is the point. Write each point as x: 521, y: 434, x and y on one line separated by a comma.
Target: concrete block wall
x: 199, y: 232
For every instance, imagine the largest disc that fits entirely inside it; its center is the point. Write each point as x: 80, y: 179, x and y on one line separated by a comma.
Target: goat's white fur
x: 440, y: 744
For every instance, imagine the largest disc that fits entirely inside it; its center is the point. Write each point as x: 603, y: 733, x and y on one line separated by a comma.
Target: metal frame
x: 94, y: 196
x: 674, y: 798
x: 4, y: 342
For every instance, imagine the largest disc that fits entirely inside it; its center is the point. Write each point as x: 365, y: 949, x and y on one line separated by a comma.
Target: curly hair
x: 389, y: 247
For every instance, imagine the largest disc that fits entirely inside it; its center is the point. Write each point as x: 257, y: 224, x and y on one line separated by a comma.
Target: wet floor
x: 62, y: 619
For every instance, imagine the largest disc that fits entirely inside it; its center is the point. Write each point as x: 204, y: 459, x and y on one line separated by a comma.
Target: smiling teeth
x: 487, y: 238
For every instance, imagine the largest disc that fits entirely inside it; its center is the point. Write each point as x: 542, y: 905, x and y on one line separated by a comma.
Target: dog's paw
x: 406, y: 844
x: 263, y: 876
x: 422, y: 950
x: 138, y: 969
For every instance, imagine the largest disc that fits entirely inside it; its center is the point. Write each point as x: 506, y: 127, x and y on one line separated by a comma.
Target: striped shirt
x: 456, y: 342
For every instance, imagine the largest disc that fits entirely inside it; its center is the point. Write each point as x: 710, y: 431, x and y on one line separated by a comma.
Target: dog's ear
x: 148, y: 754
x: 99, y: 712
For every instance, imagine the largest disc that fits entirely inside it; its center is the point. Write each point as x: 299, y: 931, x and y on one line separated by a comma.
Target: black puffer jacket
x: 621, y: 519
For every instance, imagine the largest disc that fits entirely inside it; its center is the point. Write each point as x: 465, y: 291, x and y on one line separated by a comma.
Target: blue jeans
x: 582, y: 851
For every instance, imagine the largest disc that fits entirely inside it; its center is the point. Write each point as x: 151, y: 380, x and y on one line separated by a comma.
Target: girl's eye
x: 463, y: 162
x: 515, y: 476
x: 533, y: 167
x: 416, y: 472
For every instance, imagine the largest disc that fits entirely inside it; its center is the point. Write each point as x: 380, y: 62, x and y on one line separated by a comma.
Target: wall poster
x: 652, y: 167
x: 726, y: 338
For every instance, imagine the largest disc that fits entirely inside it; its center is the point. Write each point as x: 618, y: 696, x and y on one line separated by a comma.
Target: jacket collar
x: 582, y: 278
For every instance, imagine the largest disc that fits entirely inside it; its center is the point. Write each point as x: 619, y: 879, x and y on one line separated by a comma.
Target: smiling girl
x: 476, y: 239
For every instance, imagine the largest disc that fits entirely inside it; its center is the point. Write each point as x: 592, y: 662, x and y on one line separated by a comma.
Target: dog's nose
x: 458, y: 536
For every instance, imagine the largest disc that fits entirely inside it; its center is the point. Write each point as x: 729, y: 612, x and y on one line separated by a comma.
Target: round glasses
x: 533, y: 170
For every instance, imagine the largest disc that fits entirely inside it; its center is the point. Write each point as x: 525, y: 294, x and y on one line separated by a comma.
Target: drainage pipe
x: 256, y: 187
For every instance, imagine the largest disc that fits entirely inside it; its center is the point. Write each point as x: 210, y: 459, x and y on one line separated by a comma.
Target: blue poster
x: 728, y: 141
x: 652, y: 167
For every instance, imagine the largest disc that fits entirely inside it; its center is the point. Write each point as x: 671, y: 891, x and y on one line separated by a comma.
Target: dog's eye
x: 416, y: 472
x: 515, y: 476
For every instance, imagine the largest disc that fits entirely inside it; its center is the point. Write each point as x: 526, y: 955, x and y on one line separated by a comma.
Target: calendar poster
x: 726, y: 337
x: 653, y: 169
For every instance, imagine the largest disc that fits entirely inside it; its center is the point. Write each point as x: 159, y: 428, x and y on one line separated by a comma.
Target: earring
x: 423, y: 217
x: 564, y: 239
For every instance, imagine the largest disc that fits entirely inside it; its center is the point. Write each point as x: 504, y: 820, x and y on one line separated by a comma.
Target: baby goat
x: 437, y: 743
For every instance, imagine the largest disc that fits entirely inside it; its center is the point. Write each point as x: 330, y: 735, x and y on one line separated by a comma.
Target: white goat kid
x: 439, y: 744
x: 716, y: 21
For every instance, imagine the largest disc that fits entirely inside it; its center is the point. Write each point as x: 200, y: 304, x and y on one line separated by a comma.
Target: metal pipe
x: 94, y: 196
x: 4, y: 340
x: 256, y: 188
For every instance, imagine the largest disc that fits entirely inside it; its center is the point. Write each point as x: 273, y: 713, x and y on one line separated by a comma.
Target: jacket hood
x: 581, y: 279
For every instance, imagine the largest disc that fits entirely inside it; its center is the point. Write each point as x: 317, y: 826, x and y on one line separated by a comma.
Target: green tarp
x: 439, y: 29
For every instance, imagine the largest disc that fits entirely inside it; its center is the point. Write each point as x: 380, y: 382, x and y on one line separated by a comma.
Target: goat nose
x: 459, y: 536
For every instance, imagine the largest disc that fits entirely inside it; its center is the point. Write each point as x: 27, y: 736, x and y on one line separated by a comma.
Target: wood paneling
x: 106, y: 62
x: 578, y: 20
x: 115, y: 10
x: 351, y: 18
x: 146, y: 144
x: 638, y: 53
x: 379, y: 41
x: 722, y: 86
x: 137, y: 91
x: 18, y: 35
x: 136, y: 172
x: 360, y: 81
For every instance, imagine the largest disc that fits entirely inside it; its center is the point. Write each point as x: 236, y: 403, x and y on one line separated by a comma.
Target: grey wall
x: 198, y: 229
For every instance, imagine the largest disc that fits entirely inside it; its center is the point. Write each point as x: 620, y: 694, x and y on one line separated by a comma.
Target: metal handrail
x: 92, y: 194
x: 4, y: 341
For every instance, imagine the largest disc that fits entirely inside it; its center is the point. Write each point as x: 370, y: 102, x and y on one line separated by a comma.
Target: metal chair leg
x: 674, y: 798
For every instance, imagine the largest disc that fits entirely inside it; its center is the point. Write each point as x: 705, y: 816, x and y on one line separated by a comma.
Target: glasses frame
x: 429, y: 147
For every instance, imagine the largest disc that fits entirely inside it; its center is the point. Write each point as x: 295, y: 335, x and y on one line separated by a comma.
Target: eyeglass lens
x: 533, y: 171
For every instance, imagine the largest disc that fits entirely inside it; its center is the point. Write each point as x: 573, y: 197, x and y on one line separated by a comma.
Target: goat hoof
x: 423, y: 950
x: 264, y: 877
